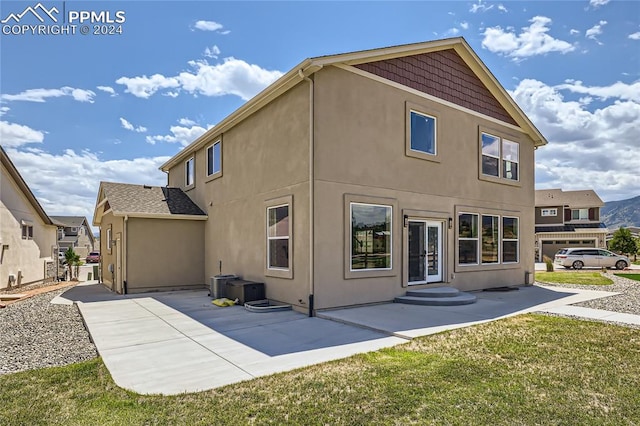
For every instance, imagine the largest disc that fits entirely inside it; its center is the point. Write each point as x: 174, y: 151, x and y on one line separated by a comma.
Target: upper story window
x: 580, y: 214
x: 370, y: 236
x: 423, y: 133
x: 189, y: 173
x: 549, y: 212
x: 500, y: 157
x: 27, y: 231
x: 214, y: 159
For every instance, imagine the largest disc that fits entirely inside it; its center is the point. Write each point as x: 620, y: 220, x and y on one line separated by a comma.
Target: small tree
x: 72, y: 259
x: 623, y: 242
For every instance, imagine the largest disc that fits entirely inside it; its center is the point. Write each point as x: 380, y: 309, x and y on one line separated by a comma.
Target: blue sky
x: 77, y: 109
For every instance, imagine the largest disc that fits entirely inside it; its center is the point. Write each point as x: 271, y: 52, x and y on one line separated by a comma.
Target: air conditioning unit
x: 218, y: 284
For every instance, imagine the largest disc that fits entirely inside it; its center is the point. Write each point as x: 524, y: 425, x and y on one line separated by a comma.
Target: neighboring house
x: 567, y: 219
x: 634, y: 230
x: 74, y: 232
x: 27, y: 234
x: 356, y: 176
x: 150, y: 238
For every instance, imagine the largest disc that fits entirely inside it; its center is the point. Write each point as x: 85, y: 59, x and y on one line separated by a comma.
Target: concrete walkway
x: 174, y: 342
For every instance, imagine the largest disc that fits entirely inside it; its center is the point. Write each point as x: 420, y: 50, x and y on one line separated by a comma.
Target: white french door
x: 425, y: 252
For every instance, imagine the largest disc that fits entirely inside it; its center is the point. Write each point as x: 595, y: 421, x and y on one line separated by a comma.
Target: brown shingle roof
x: 126, y: 198
x: 68, y: 221
x: 575, y: 199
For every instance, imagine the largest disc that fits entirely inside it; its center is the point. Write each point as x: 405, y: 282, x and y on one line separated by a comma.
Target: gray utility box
x: 218, y: 285
x: 244, y: 291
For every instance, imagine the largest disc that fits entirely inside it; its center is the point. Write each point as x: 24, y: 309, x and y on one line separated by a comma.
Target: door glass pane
x: 417, y: 252
x: 433, y: 249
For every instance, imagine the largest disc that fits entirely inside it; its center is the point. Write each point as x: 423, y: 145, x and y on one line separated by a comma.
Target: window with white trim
x: 214, y: 159
x: 371, y: 236
x: 510, y: 239
x: 468, y: 239
x: 549, y: 212
x: 278, y: 237
x: 580, y: 214
x: 490, y: 245
x: 109, y: 239
x: 189, y: 173
x: 27, y: 232
x: 500, y: 157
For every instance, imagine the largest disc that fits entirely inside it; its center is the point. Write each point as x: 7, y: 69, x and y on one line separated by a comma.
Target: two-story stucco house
x: 356, y: 176
x: 567, y: 219
x: 27, y: 234
x: 74, y: 232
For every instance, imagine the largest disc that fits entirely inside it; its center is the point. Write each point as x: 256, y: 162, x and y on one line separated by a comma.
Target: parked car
x: 578, y: 258
x: 93, y: 257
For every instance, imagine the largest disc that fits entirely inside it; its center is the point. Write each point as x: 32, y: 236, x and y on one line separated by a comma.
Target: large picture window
x: 189, y: 175
x: 490, y: 244
x: 580, y: 214
x: 510, y: 239
x: 278, y: 237
x: 423, y: 133
x: 371, y: 237
x: 500, y: 157
x: 214, y: 163
x: 468, y: 239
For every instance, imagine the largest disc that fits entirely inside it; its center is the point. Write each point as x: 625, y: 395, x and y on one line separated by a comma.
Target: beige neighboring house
x: 357, y: 176
x: 568, y: 219
x: 27, y: 234
x: 74, y: 232
x: 150, y: 238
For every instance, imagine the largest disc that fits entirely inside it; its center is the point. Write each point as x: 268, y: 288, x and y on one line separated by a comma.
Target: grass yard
x: 584, y: 278
x: 529, y: 369
x: 635, y: 277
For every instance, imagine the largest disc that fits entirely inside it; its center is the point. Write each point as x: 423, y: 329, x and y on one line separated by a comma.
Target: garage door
x: 551, y: 247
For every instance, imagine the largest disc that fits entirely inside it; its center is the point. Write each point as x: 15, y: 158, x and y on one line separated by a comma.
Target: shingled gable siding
x: 442, y: 74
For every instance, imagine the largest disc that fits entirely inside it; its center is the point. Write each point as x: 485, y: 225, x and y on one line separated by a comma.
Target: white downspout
x: 311, y: 193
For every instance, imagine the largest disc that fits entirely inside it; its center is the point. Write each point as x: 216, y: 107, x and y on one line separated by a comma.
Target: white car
x: 578, y: 258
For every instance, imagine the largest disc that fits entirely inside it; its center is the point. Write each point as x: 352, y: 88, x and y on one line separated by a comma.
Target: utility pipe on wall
x: 311, y: 192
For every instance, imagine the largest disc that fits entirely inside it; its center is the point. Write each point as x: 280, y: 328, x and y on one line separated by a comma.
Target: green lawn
x: 529, y: 369
x: 585, y: 278
x: 629, y: 276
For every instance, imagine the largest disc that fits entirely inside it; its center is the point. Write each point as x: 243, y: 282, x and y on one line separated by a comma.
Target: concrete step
x: 460, y: 299
x: 434, y: 292
x: 437, y: 296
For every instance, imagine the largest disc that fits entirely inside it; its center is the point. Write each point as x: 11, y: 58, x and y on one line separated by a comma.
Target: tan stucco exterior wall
x: 108, y: 256
x: 265, y: 157
x: 175, y: 249
x: 24, y: 257
x: 360, y: 149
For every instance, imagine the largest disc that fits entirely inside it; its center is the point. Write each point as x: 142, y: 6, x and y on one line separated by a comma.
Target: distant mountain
x: 621, y: 213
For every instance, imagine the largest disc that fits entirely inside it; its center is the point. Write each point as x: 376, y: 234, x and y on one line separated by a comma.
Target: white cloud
x: 208, y: 26
x: 588, y: 149
x: 40, y: 95
x: 533, y: 40
x: 48, y: 175
x: 231, y: 77
x: 502, y: 8
x: 186, y: 122
x: 451, y: 32
x: 12, y: 134
x: 574, y: 32
x: 212, y: 52
x: 183, y: 135
x: 4, y: 110
x: 595, y: 31
x: 635, y: 36
x: 598, y: 3
x: 464, y: 25
x: 127, y: 125
x: 480, y: 7
x: 144, y: 87
x: 107, y: 89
